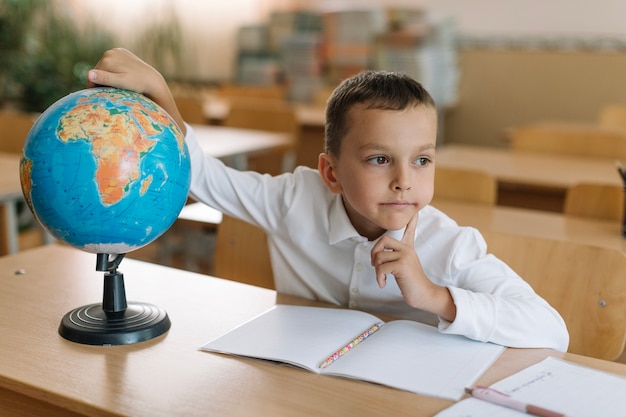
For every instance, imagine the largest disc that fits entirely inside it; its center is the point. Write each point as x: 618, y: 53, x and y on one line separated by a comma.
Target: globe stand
x: 114, y: 322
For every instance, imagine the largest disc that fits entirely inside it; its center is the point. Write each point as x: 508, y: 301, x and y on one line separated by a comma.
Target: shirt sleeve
x: 494, y: 303
x: 260, y: 199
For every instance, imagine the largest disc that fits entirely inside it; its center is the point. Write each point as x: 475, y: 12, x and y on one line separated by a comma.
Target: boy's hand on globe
x: 120, y: 68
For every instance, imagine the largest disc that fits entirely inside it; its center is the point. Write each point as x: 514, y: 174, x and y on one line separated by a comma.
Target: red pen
x: 496, y: 397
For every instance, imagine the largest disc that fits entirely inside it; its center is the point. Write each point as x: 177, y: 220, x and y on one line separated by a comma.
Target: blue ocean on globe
x: 105, y: 170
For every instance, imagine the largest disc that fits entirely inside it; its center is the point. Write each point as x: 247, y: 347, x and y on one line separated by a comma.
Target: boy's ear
x: 326, y: 168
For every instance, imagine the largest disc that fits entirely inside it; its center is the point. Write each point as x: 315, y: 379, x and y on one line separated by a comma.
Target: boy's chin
x: 394, y: 225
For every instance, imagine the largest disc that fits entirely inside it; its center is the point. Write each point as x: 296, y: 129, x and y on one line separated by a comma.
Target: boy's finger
x: 409, y: 232
x: 92, y: 78
x: 97, y: 77
x: 381, y: 279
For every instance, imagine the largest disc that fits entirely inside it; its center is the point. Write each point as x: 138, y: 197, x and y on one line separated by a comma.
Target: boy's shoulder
x: 431, y: 214
x: 439, y: 227
x: 308, y: 177
x: 304, y: 184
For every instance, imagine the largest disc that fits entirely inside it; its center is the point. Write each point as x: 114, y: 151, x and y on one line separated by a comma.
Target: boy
x: 359, y: 231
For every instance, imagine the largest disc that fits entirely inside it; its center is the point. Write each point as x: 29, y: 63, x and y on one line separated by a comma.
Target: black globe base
x: 91, y: 325
x: 114, y: 322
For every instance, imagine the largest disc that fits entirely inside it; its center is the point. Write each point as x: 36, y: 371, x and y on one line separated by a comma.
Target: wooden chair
x: 584, y: 283
x: 270, y: 116
x: 244, y: 91
x: 14, y: 127
x: 599, y: 201
x: 570, y: 139
x: 466, y: 185
x: 242, y: 253
x: 613, y: 115
x: 321, y: 96
x: 191, y: 108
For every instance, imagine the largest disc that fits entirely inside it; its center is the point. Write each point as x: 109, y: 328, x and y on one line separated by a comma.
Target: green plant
x: 49, y: 56
x: 45, y: 55
x: 160, y: 44
x: 59, y: 63
x: 16, y: 17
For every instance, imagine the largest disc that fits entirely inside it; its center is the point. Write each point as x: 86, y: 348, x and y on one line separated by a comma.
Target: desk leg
x: 9, y: 228
x: 289, y: 161
x: 239, y: 162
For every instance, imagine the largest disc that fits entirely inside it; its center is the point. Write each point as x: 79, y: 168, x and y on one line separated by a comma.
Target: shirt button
x: 358, y: 267
x: 353, y: 304
x: 355, y: 290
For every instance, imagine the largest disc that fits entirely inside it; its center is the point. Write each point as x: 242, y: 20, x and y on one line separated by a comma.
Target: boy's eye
x: 378, y: 160
x: 422, y: 161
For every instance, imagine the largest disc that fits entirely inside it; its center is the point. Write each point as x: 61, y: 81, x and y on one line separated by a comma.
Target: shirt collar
x: 340, y: 227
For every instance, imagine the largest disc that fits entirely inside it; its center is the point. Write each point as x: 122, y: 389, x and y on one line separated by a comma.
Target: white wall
x: 211, y: 25
x: 502, y: 17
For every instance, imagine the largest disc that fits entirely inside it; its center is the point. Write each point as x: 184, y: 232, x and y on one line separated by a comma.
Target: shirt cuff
x: 465, y: 322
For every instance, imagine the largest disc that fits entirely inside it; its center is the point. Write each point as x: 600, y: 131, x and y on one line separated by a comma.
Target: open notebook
x: 402, y: 354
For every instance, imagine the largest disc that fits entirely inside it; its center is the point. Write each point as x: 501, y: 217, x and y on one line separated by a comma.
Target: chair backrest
x: 321, y: 96
x: 191, y: 108
x: 242, y: 253
x: 271, y: 116
x: 14, y: 127
x: 584, y: 283
x: 570, y: 139
x: 466, y: 185
x: 271, y: 92
x: 613, y: 115
x: 599, y: 201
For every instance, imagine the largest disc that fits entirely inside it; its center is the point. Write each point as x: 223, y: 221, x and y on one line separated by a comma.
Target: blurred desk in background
x: 312, y: 131
x: 234, y: 145
x: 527, y: 179
x: 311, y: 117
x: 216, y: 109
x: 535, y: 223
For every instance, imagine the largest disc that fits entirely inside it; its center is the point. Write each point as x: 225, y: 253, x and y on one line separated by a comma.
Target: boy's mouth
x: 399, y: 204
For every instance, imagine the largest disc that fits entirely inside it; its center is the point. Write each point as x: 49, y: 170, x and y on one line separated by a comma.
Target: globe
x: 105, y: 170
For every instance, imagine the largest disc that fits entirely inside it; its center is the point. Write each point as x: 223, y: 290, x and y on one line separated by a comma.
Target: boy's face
x: 385, y: 170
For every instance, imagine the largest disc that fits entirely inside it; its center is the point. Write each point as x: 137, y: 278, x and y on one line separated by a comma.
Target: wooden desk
x: 44, y: 374
x: 234, y: 145
x: 537, y: 223
x: 216, y: 109
x: 311, y: 118
x: 527, y: 179
x: 10, y: 195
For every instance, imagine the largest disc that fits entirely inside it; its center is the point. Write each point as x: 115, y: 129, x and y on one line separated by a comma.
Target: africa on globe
x: 105, y: 170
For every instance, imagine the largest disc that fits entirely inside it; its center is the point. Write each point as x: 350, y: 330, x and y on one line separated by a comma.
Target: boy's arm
x: 120, y: 68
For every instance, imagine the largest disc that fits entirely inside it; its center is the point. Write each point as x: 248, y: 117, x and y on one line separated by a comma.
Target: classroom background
x: 513, y: 62
x: 531, y: 152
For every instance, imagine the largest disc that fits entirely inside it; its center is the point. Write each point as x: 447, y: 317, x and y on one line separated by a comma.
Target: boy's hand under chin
x: 398, y: 257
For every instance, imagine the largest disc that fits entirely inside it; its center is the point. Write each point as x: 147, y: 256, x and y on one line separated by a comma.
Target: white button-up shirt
x: 316, y: 253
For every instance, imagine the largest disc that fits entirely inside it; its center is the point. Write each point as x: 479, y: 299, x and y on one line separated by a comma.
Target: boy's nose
x: 402, y: 181
x: 402, y: 186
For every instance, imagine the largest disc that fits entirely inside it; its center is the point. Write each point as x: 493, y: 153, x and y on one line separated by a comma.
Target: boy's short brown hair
x: 385, y: 90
